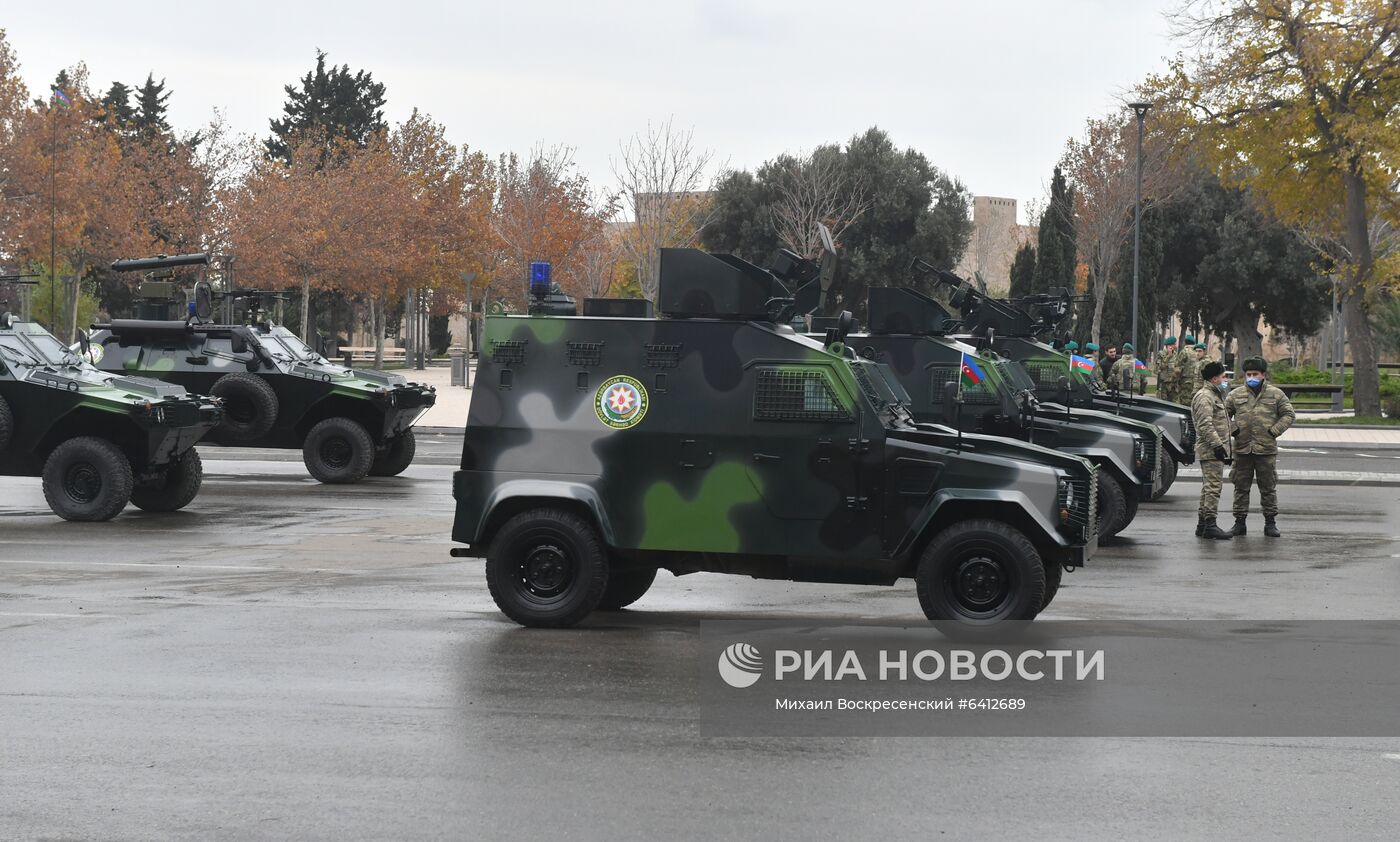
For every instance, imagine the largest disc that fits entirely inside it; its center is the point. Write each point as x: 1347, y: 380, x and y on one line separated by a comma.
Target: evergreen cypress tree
x: 345, y: 106
x: 1055, y: 253
x: 1023, y: 271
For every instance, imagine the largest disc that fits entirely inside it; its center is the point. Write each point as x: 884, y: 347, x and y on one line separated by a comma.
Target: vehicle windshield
x: 37, y: 349
x: 284, y: 345
x: 13, y: 349
x: 53, y: 351
x: 1015, y: 375
x: 890, y: 398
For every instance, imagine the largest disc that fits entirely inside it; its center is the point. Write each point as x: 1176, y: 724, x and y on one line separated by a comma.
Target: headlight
x: 1140, y: 452
x: 1066, y: 499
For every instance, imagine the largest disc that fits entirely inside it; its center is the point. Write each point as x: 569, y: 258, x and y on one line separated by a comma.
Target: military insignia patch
x: 620, y: 402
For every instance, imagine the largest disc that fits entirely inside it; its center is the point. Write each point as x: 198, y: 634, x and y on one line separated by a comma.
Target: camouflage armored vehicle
x: 98, y: 440
x: 995, y: 396
x: 277, y: 392
x: 599, y: 450
x: 1017, y: 334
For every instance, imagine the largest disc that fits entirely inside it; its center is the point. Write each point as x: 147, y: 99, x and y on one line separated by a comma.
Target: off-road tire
x: 1113, y: 507
x: 87, y: 479
x: 980, y: 573
x: 625, y: 587
x: 1054, y: 572
x: 547, y: 568
x: 1168, y: 469
x: 7, y: 424
x: 250, y: 407
x: 1132, y: 498
x: 395, y: 459
x: 174, y: 489
x: 338, y: 451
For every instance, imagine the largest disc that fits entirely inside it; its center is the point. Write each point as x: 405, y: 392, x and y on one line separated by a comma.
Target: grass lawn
x: 1375, y: 420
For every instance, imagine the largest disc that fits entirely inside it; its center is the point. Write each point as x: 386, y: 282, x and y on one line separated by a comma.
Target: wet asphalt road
x: 290, y: 660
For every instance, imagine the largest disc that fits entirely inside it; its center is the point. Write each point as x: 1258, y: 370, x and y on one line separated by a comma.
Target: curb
x: 1341, y: 445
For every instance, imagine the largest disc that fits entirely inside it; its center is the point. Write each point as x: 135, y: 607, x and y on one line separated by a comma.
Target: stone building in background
x: 996, y: 236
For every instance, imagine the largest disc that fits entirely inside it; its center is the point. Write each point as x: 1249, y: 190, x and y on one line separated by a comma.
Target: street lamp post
x: 1140, y: 109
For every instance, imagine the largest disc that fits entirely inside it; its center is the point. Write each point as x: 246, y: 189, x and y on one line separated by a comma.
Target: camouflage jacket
x: 1259, y: 418
x: 1168, y: 372
x: 1212, y: 421
x: 1124, y: 375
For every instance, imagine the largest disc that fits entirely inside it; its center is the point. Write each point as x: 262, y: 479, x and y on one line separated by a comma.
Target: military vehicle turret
x: 1018, y: 334
x: 995, y: 396
x: 97, y: 440
x: 279, y: 393
x: 599, y: 450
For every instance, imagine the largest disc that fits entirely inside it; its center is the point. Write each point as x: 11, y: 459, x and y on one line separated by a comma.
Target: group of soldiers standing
x: 1179, y: 371
x: 1236, y: 427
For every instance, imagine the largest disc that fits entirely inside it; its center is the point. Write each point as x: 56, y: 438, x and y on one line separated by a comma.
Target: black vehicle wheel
x: 1113, y: 507
x: 396, y: 458
x: 250, y: 407
x: 1054, y: 573
x: 338, y: 450
x: 979, y: 573
x: 626, y: 587
x: 547, y: 568
x: 7, y: 424
x: 1168, y: 475
x: 173, y: 490
x: 87, y: 479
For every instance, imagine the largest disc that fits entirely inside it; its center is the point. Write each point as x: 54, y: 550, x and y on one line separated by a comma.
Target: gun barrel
x: 143, y: 264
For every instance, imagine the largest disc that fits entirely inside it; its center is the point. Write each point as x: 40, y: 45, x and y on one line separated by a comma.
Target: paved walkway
x: 1307, y: 434
x: 1287, y: 477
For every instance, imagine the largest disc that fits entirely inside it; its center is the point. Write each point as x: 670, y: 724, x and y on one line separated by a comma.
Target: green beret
x: 1169, y: 340
x: 1200, y: 346
x: 1091, y: 346
x: 1071, y: 345
x: 1126, y: 346
x: 1189, y: 340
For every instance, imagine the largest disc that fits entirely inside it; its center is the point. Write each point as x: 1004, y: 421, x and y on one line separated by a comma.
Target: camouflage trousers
x: 1212, y: 479
x: 1247, y: 469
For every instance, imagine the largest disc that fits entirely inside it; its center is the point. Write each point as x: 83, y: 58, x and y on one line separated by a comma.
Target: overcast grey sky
x: 989, y: 91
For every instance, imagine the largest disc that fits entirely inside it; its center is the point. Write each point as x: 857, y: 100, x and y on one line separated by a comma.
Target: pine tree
x: 345, y: 106
x: 116, y: 103
x: 1055, y: 252
x: 1023, y: 271
x: 151, y: 107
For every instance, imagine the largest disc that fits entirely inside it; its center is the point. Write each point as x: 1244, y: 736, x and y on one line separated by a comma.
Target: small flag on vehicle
x: 1076, y: 361
x: 972, y: 374
x: 1139, y: 364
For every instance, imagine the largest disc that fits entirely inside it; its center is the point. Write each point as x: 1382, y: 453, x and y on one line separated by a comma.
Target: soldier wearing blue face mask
x: 1261, y: 412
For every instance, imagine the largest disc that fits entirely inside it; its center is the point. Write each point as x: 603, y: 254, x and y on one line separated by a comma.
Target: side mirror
x: 950, y: 401
x: 85, y: 346
x: 203, y: 300
x: 844, y: 325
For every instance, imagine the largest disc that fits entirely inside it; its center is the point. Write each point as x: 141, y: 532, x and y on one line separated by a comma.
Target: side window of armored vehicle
x: 980, y: 393
x: 1016, y: 375
x: 218, y: 345
x: 1046, y: 373
x: 796, y: 394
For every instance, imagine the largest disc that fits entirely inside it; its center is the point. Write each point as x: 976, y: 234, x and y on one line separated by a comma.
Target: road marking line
x: 138, y: 564
x: 1391, y: 756
x: 38, y: 614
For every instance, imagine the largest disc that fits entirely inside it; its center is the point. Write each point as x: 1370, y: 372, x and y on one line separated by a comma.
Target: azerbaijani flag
x: 1076, y: 361
x: 972, y: 374
x: 60, y: 96
x: 1139, y: 365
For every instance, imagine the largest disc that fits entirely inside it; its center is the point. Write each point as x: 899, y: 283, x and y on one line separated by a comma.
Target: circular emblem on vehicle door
x: 95, y: 353
x: 621, y: 402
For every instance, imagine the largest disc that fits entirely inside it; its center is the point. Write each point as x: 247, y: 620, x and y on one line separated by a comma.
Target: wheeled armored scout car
x: 599, y: 450
x: 905, y: 332
x: 1015, y: 331
x: 349, y: 423
x: 98, y: 440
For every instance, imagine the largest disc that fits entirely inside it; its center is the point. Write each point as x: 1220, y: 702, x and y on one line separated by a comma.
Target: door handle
x: 766, y: 457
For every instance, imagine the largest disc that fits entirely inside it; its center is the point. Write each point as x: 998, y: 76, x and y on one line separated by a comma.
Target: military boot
x: 1271, y: 528
x: 1239, y: 528
x: 1200, y: 524
x: 1213, y: 531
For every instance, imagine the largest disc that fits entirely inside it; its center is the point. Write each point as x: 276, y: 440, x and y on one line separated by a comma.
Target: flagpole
x: 53, y: 221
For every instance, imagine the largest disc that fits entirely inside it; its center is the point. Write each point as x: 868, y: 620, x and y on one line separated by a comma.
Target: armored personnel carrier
x: 349, y: 423
x: 599, y: 450
x: 977, y: 390
x: 97, y: 440
x: 1013, y: 332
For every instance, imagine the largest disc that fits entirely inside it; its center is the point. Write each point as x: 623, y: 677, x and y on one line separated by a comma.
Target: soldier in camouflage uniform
x: 1123, y: 375
x: 1261, y: 413
x: 1167, y: 370
x: 1212, y: 447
